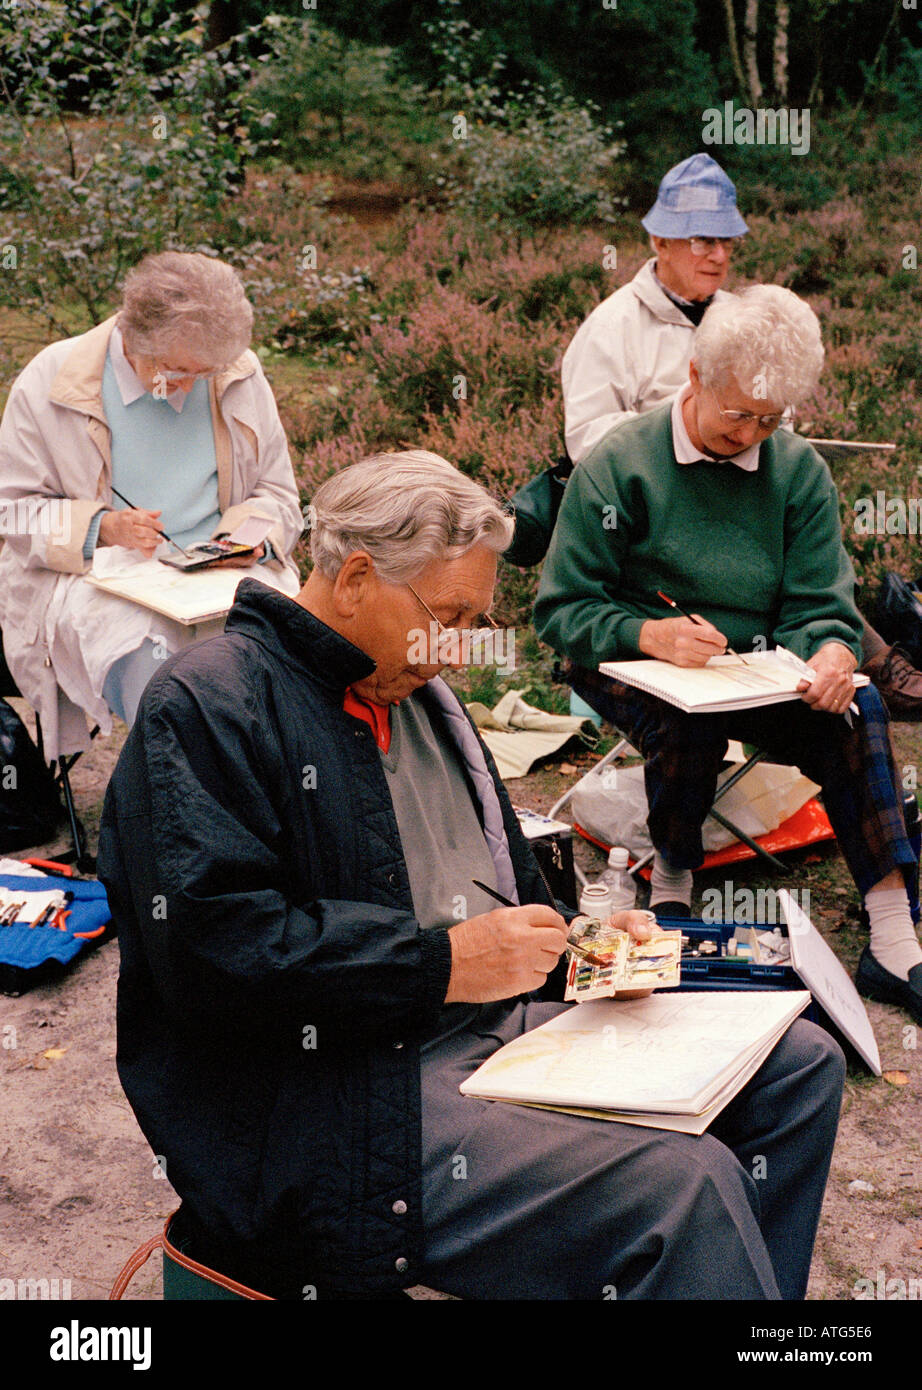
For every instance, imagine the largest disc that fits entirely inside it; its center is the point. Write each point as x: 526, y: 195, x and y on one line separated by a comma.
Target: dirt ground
x: 80, y: 1189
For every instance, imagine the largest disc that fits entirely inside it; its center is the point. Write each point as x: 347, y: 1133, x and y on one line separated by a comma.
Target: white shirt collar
x: 130, y: 386
x: 685, y: 451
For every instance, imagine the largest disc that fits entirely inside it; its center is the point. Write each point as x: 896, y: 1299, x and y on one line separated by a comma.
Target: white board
x: 828, y: 981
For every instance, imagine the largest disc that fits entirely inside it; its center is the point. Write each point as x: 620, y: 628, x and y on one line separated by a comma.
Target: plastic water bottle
x: 595, y: 901
x: 618, y: 880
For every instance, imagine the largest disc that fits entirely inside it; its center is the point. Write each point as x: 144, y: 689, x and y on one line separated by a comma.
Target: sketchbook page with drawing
x: 725, y: 683
x: 670, y: 1060
x: 186, y: 598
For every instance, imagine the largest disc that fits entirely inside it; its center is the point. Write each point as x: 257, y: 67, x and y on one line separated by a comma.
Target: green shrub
x: 82, y: 200
x: 537, y: 161
x: 337, y: 98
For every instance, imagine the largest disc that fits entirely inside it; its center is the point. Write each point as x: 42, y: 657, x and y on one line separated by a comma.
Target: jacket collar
x: 78, y: 384
x: 649, y: 291
x: 288, y: 630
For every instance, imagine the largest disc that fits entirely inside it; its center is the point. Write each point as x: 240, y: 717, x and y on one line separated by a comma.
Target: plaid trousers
x: 683, y: 755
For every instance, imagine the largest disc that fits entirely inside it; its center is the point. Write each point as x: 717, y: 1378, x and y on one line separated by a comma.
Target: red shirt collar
x: 377, y: 717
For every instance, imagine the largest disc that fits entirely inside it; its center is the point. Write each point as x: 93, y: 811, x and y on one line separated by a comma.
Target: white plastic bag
x: 611, y: 805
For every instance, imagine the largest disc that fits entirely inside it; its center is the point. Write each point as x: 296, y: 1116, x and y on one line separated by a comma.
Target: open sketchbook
x: 725, y: 683
x: 187, y: 598
x: 670, y: 1061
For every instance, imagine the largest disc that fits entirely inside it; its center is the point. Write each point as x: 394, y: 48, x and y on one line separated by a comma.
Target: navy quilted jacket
x: 274, y: 982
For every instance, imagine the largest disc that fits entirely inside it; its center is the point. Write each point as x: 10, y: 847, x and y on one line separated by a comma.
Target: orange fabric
x: 806, y: 827
x: 377, y: 717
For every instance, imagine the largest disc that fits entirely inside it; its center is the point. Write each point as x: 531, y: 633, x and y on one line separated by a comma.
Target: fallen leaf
x: 54, y: 1053
x: 34, y: 1061
x: 897, y: 1078
x: 568, y: 768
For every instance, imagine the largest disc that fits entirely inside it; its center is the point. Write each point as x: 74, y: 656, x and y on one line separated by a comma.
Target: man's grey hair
x: 182, y: 299
x: 767, y: 339
x: 405, y: 510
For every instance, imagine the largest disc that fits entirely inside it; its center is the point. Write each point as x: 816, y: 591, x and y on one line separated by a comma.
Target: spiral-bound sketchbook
x: 725, y: 683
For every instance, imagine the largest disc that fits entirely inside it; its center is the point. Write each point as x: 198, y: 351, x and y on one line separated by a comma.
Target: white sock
x: 668, y: 885
x: 893, y: 937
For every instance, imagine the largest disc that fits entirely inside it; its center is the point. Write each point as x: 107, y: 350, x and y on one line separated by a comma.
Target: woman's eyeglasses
x: 743, y: 417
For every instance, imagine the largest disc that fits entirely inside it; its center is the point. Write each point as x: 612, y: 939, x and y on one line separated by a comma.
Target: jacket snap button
x: 401, y: 1265
x: 399, y: 1208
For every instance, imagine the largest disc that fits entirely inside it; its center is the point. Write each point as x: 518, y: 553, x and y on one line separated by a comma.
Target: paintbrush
x: 571, y: 945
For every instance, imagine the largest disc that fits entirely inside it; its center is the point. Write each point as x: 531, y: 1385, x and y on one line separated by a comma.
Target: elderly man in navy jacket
x: 308, y: 972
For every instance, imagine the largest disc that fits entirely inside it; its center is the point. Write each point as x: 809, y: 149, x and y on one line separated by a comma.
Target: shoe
x: 898, y: 683
x: 670, y: 909
x: 874, y: 982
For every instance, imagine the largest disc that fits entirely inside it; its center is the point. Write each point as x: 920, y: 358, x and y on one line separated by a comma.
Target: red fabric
x: 807, y: 826
x: 377, y: 717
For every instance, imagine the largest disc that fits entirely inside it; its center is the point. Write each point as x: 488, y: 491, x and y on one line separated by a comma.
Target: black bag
x: 30, y: 803
x: 898, y: 615
x: 535, y: 507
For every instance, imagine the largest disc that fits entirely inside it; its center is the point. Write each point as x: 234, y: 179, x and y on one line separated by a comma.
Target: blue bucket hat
x: 695, y: 199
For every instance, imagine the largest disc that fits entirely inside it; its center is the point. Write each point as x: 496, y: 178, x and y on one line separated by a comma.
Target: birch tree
x: 750, y: 56
x: 734, y: 46
x: 780, y: 55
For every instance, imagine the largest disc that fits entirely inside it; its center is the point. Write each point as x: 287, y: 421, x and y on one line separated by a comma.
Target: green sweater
x: 758, y: 554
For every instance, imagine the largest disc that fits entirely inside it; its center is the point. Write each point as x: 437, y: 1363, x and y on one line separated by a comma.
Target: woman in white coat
x: 164, y: 403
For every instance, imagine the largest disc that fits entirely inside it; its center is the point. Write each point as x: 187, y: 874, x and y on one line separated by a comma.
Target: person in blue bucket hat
x: 632, y: 352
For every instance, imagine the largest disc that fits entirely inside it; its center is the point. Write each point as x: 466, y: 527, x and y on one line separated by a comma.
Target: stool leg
x: 770, y: 859
x: 76, y: 835
x: 610, y: 756
x: 84, y: 862
x: 757, y: 757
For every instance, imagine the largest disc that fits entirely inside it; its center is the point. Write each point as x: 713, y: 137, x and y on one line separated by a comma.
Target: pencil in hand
x: 697, y: 621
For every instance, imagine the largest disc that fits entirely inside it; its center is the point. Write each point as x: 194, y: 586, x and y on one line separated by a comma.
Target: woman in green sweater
x: 707, y: 501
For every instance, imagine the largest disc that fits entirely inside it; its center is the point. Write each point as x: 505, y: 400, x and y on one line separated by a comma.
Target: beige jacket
x: 630, y: 355
x: 55, y: 475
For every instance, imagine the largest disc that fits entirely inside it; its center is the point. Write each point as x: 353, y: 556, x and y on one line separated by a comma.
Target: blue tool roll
x: 26, y: 948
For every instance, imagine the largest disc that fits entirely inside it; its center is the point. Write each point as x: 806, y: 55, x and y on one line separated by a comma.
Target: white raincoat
x: 630, y: 355
x: 55, y: 475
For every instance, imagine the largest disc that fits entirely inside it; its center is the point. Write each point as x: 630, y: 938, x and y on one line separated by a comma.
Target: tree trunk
x: 750, y: 57
x: 782, y: 14
x: 223, y: 22
x: 734, y: 47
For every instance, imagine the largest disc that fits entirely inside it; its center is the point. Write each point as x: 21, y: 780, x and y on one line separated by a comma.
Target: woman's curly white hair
x: 767, y: 339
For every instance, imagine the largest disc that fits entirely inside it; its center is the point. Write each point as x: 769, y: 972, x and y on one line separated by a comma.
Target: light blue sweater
x: 165, y: 460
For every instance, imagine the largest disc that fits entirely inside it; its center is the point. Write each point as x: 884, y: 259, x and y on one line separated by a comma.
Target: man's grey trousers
x: 525, y: 1203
